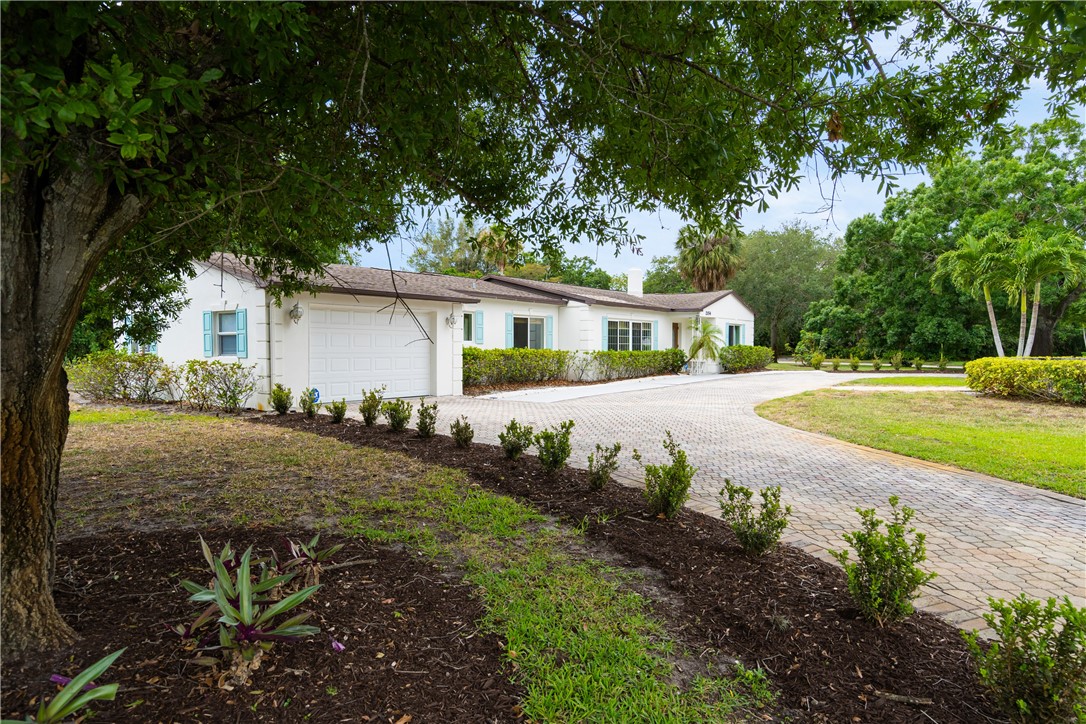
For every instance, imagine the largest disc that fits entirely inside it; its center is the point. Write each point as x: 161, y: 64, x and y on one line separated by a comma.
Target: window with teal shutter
x: 478, y: 328
x: 209, y: 335
x: 508, y: 330
x: 242, y: 334
x: 550, y: 331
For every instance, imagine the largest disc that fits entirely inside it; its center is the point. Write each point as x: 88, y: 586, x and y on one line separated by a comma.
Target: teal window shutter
x: 243, y: 336
x: 549, y: 322
x: 478, y: 328
x: 209, y: 339
x: 152, y: 348
x: 508, y: 330
x: 743, y: 334
x: 603, y: 341
x: 656, y: 335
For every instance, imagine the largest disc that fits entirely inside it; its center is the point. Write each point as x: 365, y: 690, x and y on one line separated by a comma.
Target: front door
x: 676, y: 335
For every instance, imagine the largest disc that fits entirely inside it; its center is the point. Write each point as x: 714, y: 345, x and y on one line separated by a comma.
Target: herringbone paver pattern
x: 986, y: 537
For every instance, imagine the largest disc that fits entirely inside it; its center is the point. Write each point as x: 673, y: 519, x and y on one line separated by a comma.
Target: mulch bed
x: 413, y: 652
x: 789, y: 612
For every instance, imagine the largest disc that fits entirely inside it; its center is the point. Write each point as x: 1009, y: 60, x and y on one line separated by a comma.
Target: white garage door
x: 353, y: 350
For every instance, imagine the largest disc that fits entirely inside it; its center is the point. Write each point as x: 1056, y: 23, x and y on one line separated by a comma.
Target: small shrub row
x: 110, y: 375
x: 608, y: 365
x: 745, y: 358
x: 501, y: 366
x: 1059, y: 380
x: 497, y: 366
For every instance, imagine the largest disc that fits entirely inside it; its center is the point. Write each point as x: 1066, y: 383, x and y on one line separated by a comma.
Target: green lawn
x: 910, y: 381
x: 1033, y: 443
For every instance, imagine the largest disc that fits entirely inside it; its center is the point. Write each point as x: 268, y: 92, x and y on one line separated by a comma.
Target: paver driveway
x: 985, y: 536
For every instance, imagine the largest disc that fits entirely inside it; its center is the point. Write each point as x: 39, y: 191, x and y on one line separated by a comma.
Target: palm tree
x: 499, y: 246
x: 971, y: 270
x: 706, y: 339
x: 707, y: 260
x: 1061, y: 254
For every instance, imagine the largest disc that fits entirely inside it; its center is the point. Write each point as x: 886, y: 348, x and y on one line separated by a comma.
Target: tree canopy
x: 663, y: 277
x: 781, y: 273
x: 288, y: 132
x: 1031, y: 183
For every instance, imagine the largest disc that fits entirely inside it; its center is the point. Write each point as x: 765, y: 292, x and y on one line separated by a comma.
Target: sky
x: 806, y: 203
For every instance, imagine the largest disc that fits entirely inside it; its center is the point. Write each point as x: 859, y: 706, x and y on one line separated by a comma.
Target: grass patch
x: 1027, y: 442
x: 916, y: 380
x: 583, y: 644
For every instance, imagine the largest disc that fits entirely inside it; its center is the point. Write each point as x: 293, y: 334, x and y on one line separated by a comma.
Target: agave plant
x: 248, y: 614
x: 76, y: 694
x: 309, y: 557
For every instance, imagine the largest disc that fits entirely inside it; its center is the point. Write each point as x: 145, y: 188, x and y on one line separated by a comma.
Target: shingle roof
x: 661, y: 302
x: 346, y: 279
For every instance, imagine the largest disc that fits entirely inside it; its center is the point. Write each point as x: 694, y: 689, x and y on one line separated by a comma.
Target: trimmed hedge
x: 495, y: 366
x: 621, y: 365
x: 745, y: 358
x: 1060, y: 380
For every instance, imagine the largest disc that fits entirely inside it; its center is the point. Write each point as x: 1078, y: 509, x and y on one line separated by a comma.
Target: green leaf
x: 106, y: 693
x: 140, y: 106
x: 76, y: 685
x: 129, y: 151
x: 210, y: 75
x: 287, y: 603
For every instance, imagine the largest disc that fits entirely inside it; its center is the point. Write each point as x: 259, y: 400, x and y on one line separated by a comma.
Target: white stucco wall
x: 288, y: 349
x: 215, y: 291
x: 494, y: 311
x: 730, y: 310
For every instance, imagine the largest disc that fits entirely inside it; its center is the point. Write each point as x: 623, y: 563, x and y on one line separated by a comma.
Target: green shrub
x: 836, y: 363
x: 281, y: 398
x: 808, y: 344
x: 744, y: 358
x: 817, y: 359
x: 233, y: 383
x: 78, y: 692
x: 757, y: 534
x: 918, y: 363
x: 371, y: 405
x: 942, y: 364
x: 308, y: 404
x: 885, y: 577
x: 612, y: 365
x: 1036, y: 670
x: 897, y: 360
x: 427, y: 418
x: 516, y: 439
x: 195, y: 385
x: 461, y: 431
x: 668, y: 486
x: 115, y: 375
x: 398, y: 414
x: 338, y: 410
x: 876, y: 363
x: 1060, y: 380
x: 854, y: 363
x: 497, y: 366
x: 602, y: 464
x: 553, y: 446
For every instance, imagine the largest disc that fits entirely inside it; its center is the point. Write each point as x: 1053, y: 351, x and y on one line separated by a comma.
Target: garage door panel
x: 353, y: 351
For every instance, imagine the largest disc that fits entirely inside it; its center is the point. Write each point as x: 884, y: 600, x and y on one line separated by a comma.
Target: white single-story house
x: 366, y: 327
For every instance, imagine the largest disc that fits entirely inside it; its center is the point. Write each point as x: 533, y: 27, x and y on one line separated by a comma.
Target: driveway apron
x: 985, y: 537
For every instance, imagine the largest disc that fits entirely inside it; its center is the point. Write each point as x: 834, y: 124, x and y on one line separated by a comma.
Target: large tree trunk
x: 773, y: 337
x: 53, y: 233
x: 1043, y: 344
